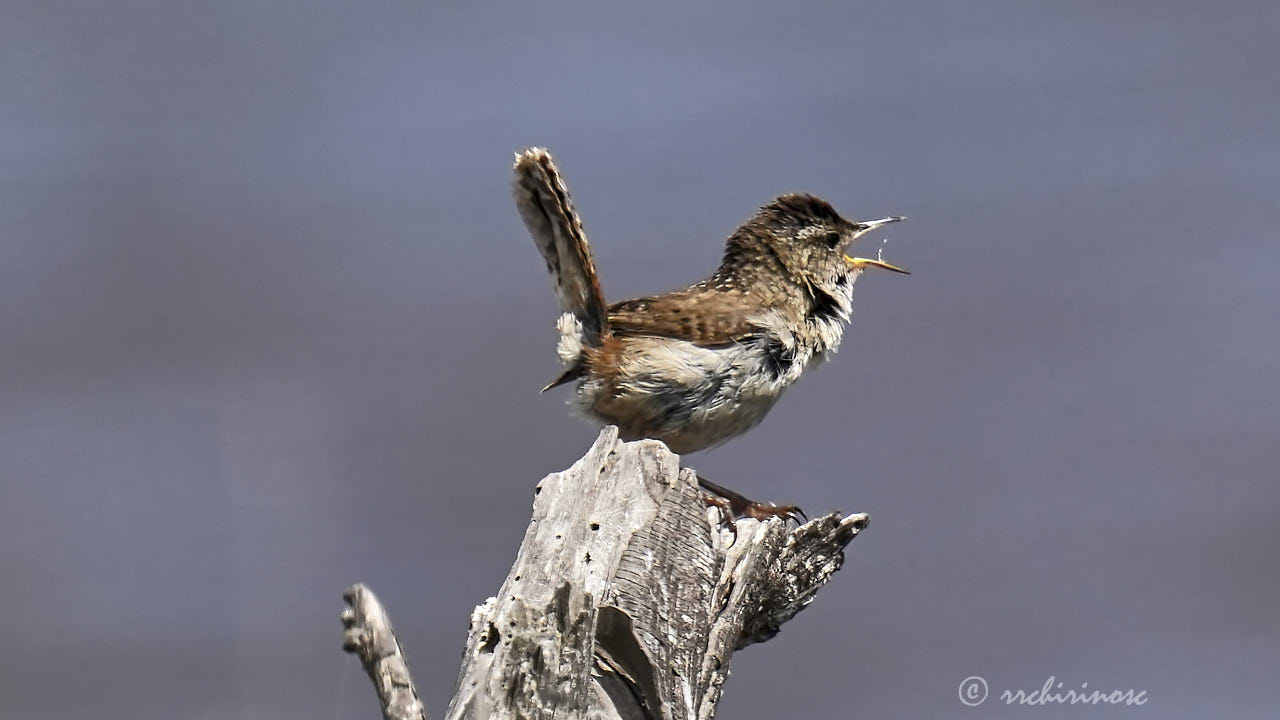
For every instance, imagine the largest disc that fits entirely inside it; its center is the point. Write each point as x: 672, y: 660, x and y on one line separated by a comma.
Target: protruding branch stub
x: 369, y: 635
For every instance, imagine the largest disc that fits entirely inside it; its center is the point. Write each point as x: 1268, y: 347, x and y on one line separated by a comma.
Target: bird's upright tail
x: 544, y: 204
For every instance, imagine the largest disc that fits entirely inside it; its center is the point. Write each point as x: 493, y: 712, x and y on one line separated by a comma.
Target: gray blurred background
x: 264, y: 297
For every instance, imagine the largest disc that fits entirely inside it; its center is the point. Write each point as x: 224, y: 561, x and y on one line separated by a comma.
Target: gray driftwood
x: 627, y: 600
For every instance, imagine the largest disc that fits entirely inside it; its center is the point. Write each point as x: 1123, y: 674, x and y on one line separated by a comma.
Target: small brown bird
x: 698, y: 366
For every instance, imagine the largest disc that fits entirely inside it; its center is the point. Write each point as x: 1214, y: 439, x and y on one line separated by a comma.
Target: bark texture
x: 629, y: 597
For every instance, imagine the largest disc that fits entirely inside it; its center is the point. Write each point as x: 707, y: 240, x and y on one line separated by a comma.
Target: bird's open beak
x: 867, y: 226
x: 858, y: 263
x: 862, y: 228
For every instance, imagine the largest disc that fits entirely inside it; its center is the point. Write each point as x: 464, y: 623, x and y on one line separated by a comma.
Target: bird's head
x: 802, y: 237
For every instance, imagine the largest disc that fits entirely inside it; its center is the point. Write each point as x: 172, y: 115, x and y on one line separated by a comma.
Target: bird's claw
x: 734, y: 505
x: 764, y: 511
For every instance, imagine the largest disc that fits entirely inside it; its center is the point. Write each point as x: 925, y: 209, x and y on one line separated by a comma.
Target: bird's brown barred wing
x: 707, y: 319
x: 543, y: 200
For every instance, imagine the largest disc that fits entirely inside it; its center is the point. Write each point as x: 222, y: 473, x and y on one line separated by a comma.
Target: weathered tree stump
x: 627, y: 599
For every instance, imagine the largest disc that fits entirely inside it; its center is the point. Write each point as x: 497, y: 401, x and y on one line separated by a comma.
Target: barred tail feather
x: 548, y: 213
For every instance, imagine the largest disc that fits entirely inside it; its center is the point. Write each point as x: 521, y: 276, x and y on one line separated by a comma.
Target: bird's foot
x: 764, y: 511
x: 734, y: 505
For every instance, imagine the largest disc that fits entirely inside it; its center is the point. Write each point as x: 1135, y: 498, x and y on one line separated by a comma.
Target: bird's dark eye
x: 832, y: 239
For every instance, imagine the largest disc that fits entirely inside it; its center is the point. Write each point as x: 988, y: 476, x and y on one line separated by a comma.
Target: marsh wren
x: 698, y: 366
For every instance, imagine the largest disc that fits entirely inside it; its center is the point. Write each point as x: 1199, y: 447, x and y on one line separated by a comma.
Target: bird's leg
x: 733, y: 505
x: 726, y: 510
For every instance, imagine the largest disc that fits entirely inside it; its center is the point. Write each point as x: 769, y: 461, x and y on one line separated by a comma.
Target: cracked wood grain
x: 628, y: 597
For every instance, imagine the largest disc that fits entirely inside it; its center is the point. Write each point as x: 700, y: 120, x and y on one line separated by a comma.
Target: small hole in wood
x: 490, y: 639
